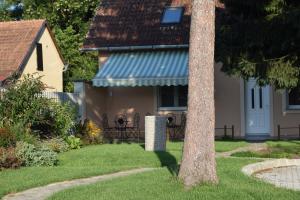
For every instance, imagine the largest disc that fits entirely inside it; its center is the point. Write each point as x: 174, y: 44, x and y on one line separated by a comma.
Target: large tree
x: 198, y: 163
x: 261, y: 39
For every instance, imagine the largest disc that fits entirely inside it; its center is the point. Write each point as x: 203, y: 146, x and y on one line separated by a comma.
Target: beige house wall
x: 227, y: 102
x: 283, y: 117
x: 52, y: 75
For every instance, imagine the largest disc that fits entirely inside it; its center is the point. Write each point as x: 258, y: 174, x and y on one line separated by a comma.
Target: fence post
x: 225, y: 131
x: 232, y: 129
x: 278, y: 127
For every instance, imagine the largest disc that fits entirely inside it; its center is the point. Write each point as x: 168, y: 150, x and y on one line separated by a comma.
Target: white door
x: 257, y: 109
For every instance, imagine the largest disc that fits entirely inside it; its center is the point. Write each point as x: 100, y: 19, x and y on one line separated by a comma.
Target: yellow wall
x: 52, y: 75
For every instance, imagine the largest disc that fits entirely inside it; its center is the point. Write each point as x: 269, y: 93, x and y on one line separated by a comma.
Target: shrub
x: 33, y: 156
x: 74, y: 142
x: 23, y: 105
x: 92, y: 134
x: 22, y: 133
x: 57, y: 145
x: 7, y: 139
x: 8, y: 158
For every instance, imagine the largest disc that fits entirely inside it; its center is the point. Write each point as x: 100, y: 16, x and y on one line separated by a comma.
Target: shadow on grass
x: 167, y: 160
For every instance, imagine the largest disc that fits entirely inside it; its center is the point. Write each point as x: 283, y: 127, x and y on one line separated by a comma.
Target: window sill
x: 173, y: 109
x: 291, y: 111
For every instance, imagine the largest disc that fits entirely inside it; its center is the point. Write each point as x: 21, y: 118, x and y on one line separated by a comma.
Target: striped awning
x: 152, y: 68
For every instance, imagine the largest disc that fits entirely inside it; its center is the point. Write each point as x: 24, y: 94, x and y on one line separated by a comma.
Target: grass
x: 281, y: 149
x: 161, y: 184
x: 95, y: 160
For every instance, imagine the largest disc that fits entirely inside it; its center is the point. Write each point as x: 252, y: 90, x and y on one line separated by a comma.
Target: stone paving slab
x: 41, y: 193
x: 280, y: 172
x: 286, y: 177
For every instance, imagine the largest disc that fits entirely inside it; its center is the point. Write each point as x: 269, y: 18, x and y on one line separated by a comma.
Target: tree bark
x: 198, y: 163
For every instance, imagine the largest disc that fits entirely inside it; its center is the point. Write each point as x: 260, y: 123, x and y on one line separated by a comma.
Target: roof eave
x: 144, y: 47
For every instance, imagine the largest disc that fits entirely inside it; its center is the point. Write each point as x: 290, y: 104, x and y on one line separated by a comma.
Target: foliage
x: 73, y: 142
x: 23, y: 106
x: 57, y: 145
x: 59, y: 118
x: 92, y: 134
x: 70, y: 21
x: 7, y: 139
x: 22, y: 133
x: 21, y: 102
x: 261, y: 39
x: 8, y: 158
x: 34, y: 156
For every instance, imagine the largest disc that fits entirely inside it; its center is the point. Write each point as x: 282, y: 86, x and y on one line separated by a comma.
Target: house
x: 28, y: 47
x: 143, y: 67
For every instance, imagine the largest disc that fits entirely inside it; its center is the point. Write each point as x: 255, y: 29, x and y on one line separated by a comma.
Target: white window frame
x: 175, y: 108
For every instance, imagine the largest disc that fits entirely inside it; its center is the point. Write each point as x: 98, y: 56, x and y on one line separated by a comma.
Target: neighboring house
x: 28, y: 47
x: 143, y: 58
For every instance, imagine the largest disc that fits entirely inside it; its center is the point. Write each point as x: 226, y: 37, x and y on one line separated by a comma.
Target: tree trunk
x: 198, y: 163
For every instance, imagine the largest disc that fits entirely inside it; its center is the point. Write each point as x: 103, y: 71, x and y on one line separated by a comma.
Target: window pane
x: 172, y: 15
x: 182, y: 96
x: 294, y: 96
x: 167, y: 96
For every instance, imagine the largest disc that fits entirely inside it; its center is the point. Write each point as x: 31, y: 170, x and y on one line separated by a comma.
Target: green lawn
x: 95, y: 160
x: 276, y: 149
x: 161, y: 184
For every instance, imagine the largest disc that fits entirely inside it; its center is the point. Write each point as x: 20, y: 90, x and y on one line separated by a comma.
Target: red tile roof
x: 16, y: 42
x: 120, y: 23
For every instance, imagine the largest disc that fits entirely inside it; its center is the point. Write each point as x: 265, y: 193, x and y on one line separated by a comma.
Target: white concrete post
x: 155, y: 133
x: 79, y: 88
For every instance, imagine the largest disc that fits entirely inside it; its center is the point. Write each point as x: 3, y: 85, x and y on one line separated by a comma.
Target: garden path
x: 41, y: 193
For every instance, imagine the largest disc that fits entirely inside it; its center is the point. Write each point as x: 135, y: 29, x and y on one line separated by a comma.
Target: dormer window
x: 172, y: 15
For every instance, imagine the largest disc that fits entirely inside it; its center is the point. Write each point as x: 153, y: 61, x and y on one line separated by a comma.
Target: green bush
x: 57, y: 145
x: 22, y: 133
x: 33, y: 156
x: 8, y: 158
x: 23, y: 107
x: 7, y: 139
x: 73, y: 142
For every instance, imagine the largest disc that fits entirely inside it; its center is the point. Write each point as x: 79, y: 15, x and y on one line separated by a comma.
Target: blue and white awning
x: 152, y: 68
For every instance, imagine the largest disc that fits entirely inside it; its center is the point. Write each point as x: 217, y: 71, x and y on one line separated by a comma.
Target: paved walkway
x: 41, y: 193
x: 250, y: 147
x: 286, y: 177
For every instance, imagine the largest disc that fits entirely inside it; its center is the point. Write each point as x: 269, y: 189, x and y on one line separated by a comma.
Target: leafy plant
x: 57, y: 145
x: 74, y: 142
x: 33, y: 156
x: 8, y: 158
x: 23, y: 106
x: 92, y: 134
x: 22, y: 133
x: 7, y: 139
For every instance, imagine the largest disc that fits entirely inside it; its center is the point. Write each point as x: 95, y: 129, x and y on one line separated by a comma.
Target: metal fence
x: 292, y: 132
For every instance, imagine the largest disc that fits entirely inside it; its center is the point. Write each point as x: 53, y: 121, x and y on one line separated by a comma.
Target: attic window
x: 172, y: 15
x: 39, y: 55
